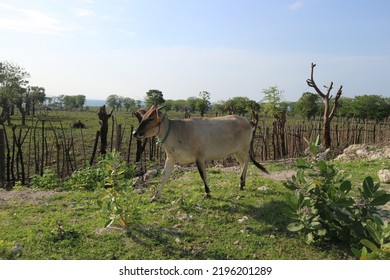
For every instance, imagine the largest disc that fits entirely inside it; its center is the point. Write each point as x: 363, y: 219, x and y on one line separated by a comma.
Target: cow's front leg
x: 168, y: 167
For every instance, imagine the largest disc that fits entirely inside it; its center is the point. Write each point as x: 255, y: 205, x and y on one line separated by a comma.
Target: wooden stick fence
x: 29, y: 151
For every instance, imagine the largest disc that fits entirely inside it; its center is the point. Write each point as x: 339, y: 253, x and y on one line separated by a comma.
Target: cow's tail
x: 258, y: 165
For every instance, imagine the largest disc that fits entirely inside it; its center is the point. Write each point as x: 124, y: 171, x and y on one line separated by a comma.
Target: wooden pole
x: 2, y: 157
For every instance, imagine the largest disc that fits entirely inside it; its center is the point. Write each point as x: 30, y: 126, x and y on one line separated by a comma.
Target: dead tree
x: 103, y: 117
x: 141, y: 144
x: 329, y: 112
x: 18, y: 142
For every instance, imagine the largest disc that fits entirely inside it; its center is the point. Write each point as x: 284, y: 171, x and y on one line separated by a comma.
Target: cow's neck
x: 165, y: 129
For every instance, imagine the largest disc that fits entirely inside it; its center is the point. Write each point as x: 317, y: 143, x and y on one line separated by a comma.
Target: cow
x: 198, y: 140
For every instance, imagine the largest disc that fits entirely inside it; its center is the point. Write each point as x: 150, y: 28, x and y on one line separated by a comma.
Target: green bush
x: 324, y: 208
x: 49, y: 180
x: 111, y: 177
x: 97, y: 176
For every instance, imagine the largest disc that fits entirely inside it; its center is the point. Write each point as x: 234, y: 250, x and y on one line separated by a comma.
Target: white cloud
x: 30, y: 21
x: 296, y: 5
x: 84, y: 13
x: 127, y: 32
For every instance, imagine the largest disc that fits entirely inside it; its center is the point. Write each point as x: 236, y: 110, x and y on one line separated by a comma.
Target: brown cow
x: 197, y: 140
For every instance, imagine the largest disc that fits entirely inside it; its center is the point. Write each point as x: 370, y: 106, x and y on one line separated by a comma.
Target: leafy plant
x: 378, y: 246
x: 323, y: 208
x: 117, y: 192
x: 49, y: 180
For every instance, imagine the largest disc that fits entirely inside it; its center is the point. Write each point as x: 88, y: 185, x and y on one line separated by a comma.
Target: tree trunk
x: 104, y: 117
x: 327, y: 139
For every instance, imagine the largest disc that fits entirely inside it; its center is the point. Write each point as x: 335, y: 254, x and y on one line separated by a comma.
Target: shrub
x: 49, y: 180
x: 118, y: 193
x: 96, y: 176
x: 111, y: 177
x: 323, y: 208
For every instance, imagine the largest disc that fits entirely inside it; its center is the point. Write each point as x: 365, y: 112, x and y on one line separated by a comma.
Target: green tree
x: 69, y: 102
x: 374, y: 107
x: 275, y: 108
x: 241, y: 105
x: 154, y: 97
x: 220, y: 107
x: 13, y: 82
x: 180, y: 105
x: 203, y: 104
x: 308, y: 105
x: 114, y: 101
x: 346, y: 107
x: 273, y: 98
x: 80, y: 101
x: 58, y: 102
x: 72, y: 102
x: 35, y: 96
x: 192, y: 103
x: 128, y: 103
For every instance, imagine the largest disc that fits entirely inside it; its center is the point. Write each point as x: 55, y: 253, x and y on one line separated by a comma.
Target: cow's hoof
x: 207, y: 195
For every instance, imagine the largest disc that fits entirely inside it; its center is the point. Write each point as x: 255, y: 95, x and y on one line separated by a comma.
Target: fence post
x: 2, y: 157
x: 118, y: 138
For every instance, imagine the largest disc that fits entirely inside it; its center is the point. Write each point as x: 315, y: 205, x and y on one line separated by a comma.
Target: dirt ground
x: 25, y: 195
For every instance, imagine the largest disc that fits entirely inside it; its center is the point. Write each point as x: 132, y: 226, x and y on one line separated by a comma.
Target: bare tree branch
x: 326, y: 98
x: 336, y: 103
x: 310, y: 82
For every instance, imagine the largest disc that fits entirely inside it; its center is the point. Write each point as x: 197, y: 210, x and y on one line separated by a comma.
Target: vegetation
x: 326, y: 207
x: 62, y: 207
x: 16, y: 92
x: 308, y: 105
x: 154, y: 97
x: 273, y: 98
x: 70, y: 222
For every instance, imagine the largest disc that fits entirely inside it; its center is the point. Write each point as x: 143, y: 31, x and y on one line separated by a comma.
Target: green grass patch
x: 233, y: 224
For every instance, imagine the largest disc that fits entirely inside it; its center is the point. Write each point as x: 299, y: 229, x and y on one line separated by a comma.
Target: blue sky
x: 229, y: 48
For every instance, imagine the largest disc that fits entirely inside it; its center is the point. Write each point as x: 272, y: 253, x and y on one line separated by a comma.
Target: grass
x: 233, y: 224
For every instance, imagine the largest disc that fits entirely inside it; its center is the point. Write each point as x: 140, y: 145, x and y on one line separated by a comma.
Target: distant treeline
x: 17, y: 95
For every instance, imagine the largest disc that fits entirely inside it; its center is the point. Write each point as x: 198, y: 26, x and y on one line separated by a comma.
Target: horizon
x: 228, y: 48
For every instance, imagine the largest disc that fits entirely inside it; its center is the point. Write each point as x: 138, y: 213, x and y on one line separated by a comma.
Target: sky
x: 182, y: 47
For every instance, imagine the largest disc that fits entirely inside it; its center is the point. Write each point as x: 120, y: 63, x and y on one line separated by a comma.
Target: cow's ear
x: 142, y: 112
x: 158, y: 111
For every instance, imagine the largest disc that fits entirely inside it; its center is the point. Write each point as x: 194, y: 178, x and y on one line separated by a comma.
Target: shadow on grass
x: 160, y: 240
x: 214, y: 229
x: 269, y: 213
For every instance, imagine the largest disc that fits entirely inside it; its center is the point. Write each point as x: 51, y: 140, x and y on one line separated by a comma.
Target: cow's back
x: 209, y: 138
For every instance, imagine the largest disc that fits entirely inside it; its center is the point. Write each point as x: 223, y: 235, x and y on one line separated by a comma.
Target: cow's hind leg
x: 243, y: 159
x: 201, y: 165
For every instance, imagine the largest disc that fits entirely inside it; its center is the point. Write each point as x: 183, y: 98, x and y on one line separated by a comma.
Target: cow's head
x: 150, y: 122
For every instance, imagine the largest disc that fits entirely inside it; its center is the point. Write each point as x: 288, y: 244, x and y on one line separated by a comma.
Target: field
x: 233, y: 224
